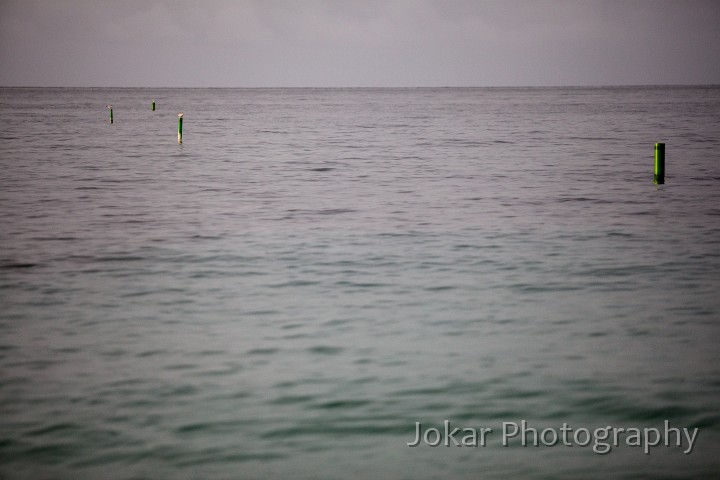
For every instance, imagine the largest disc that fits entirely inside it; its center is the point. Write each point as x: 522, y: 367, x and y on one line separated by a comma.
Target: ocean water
x: 313, y: 271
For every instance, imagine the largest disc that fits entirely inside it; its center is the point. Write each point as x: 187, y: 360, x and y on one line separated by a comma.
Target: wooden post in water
x: 659, y: 177
x: 111, y: 119
x: 153, y: 106
x: 180, y: 117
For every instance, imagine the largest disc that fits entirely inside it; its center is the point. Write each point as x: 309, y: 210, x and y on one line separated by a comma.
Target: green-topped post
x: 180, y: 117
x: 659, y: 177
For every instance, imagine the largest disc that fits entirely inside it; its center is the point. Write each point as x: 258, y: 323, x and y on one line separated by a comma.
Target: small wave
x: 347, y: 428
x: 294, y: 283
x: 335, y: 211
x: 583, y: 199
x: 292, y: 399
x: 128, y: 258
x: 346, y: 283
x: 216, y: 456
x: 263, y: 351
x: 17, y: 265
x: 325, y: 350
x: 343, y: 404
x: 54, y: 239
x: 225, y: 426
x: 439, y: 288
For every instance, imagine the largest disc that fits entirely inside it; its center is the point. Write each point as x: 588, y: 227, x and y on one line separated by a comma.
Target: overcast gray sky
x: 249, y: 43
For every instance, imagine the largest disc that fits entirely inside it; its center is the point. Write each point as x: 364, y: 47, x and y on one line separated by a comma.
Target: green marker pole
x: 659, y: 177
x: 180, y: 117
x: 111, y: 119
x: 153, y: 106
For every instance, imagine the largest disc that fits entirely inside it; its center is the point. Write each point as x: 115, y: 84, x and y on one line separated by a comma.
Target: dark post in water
x: 153, y: 106
x: 659, y: 177
x: 180, y: 117
x: 110, y: 107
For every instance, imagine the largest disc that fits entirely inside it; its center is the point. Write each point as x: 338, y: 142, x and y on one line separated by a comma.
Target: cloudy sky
x: 249, y: 43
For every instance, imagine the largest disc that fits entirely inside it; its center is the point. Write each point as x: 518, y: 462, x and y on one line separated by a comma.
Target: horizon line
x: 349, y: 87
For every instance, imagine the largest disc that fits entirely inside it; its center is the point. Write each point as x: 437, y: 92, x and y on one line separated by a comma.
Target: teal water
x: 314, y: 270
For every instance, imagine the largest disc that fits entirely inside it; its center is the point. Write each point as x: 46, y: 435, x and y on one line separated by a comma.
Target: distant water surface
x: 314, y: 270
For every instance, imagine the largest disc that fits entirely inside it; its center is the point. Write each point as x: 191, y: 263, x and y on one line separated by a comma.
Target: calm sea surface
x: 314, y: 270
